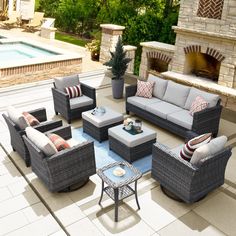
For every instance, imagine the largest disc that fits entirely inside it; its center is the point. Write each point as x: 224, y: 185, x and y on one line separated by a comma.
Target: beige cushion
x: 41, y: 141
x: 162, y: 109
x: 212, y: 99
x: 130, y: 140
x: 209, y: 149
x: 176, y: 93
x: 67, y: 81
x: 108, y: 118
x: 142, y: 102
x: 181, y: 118
x: 159, y: 86
x: 80, y: 102
x: 17, y: 117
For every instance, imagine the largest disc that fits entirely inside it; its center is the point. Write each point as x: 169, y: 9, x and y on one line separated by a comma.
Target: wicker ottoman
x: 131, y: 147
x: 97, y: 125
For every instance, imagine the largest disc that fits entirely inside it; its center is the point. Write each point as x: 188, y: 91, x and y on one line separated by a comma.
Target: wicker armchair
x: 65, y: 170
x: 62, y: 102
x: 16, y: 133
x: 182, y: 179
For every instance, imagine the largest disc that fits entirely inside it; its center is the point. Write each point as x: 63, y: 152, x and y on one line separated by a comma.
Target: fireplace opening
x: 203, y: 65
x: 157, y: 65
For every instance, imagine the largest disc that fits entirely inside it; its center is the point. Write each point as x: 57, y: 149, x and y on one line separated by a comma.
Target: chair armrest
x: 88, y: 91
x: 60, y: 98
x: 78, y: 157
x: 63, y: 131
x: 130, y: 91
x: 207, y: 120
x: 39, y: 113
x: 48, y: 125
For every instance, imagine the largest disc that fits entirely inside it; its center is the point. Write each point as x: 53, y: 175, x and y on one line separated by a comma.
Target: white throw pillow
x: 41, y: 141
x: 17, y: 117
x: 209, y: 149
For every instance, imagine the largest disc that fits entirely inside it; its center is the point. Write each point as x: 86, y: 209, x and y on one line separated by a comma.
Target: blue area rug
x: 104, y: 156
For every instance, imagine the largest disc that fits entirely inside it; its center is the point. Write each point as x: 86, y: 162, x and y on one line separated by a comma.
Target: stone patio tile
x: 157, y: 210
x: 18, y: 203
x: 4, y: 194
x: 59, y: 233
x: 65, y: 209
x: 12, y: 222
x: 3, y: 157
x: 190, y: 224
x: 45, y: 226
x: 35, y: 212
x: 18, y: 187
x: 129, y: 223
x: 220, y: 212
x: 83, y: 227
x: 230, y: 173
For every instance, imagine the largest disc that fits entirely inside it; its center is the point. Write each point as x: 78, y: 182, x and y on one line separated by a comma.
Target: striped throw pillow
x: 30, y: 118
x: 198, y: 104
x: 144, y: 89
x: 74, y: 91
x: 188, y: 149
x: 58, y: 142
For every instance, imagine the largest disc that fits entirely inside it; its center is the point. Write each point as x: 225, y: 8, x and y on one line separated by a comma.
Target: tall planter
x: 117, y: 88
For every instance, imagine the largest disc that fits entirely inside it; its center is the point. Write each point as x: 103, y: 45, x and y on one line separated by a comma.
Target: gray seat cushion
x: 159, y: 86
x: 211, y: 98
x: 176, y: 94
x: 141, y: 102
x: 80, y: 102
x: 162, y: 109
x: 130, y: 140
x: 181, y: 118
x: 67, y: 81
x: 108, y: 118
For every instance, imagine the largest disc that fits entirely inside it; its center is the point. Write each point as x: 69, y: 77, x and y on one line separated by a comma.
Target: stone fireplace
x: 204, y: 54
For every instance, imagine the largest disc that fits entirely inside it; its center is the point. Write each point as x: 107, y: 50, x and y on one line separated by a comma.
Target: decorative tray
x: 133, y: 131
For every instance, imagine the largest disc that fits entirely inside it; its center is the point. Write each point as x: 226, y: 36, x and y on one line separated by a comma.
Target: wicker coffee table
x: 119, y: 187
x: 97, y: 125
x: 131, y: 147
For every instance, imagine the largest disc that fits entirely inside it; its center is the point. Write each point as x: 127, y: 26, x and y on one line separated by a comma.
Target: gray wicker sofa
x: 185, y: 180
x: 169, y: 107
x: 16, y: 132
x: 67, y: 169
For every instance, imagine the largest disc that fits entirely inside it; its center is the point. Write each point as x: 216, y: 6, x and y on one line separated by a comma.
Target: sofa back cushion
x: 212, y: 99
x: 159, y: 86
x: 17, y: 118
x: 209, y: 149
x: 68, y: 81
x: 176, y: 93
x: 41, y: 141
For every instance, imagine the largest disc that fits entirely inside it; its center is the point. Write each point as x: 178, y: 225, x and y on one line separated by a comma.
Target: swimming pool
x: 25, y: 56
x: 20, y: 50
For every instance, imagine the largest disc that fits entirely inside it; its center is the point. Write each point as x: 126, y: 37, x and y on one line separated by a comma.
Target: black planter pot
x: 117, y: 88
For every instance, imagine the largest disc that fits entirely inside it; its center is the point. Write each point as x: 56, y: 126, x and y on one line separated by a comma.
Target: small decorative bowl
x: 118, y: 171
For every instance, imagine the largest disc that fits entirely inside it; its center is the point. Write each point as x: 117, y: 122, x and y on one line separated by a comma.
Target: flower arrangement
x: 94, y: 48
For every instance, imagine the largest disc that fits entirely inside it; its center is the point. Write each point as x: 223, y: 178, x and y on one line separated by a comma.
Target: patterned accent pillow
x: 144, y: 89
x: 198, y: 104
x: 30, y: 118
x: 74, y: 91
x: 58, y: 142
x: 188, y: 149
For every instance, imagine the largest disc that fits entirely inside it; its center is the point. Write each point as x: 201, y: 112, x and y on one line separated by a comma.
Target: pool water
x: 20, y: 51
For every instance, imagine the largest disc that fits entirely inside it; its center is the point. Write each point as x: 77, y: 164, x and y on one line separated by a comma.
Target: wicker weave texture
x: 131, y: 154
x: 184, y: 180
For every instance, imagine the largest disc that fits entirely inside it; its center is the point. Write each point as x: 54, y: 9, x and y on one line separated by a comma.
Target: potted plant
x: 118, y: 63
x: 94, y: 48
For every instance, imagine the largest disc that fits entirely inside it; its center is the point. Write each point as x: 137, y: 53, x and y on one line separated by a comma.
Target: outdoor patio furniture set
x: 65, y: 169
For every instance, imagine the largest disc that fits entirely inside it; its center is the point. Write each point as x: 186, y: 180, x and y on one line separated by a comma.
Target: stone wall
x: 130, y: 53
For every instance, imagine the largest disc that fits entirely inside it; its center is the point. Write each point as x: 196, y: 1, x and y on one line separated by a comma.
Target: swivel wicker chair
x: 66, y: 170
x: 181, y: 179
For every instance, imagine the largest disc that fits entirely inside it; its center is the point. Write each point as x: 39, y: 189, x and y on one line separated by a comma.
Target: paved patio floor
x: 28, y: 208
